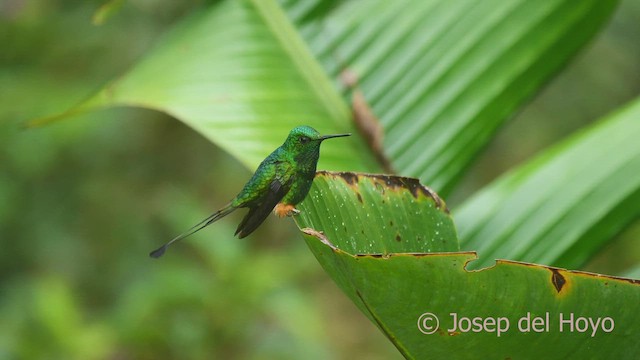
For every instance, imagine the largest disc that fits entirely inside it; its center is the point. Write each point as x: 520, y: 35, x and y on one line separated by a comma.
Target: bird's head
x: 304, y: 141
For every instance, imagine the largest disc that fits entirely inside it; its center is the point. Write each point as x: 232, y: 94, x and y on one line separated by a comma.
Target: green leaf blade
x: 442, y: 77
x: 395, y: 289
x: 237, y: 73
x: 377, y: 214
x: 563, y: 205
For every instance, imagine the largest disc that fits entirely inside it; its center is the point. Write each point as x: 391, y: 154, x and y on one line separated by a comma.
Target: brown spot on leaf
x: 375, y: 256
x: 392, y: 182
x: 413, y: 254
x: 350, y: 177
x: 370, y: 128
x: 349, y: 78
x: 557, y: 279
x: 632, y: 281
x: 360, y: 198
x: 564, y: 272
x: 398, y: 238
x: 365, y: 120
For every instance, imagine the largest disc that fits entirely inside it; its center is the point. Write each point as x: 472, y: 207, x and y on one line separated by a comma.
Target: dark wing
x: 259, y: 212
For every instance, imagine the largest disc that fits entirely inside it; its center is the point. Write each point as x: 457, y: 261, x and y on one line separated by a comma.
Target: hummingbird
x: 282, y: 181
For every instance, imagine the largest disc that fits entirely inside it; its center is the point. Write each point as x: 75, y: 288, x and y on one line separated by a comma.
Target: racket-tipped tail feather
x: 194, y: 229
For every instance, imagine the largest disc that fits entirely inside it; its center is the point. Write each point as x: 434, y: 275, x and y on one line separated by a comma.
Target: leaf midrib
x: 310, y: 70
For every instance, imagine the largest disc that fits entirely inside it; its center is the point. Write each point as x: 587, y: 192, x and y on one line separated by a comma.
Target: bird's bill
x: 325, y: 137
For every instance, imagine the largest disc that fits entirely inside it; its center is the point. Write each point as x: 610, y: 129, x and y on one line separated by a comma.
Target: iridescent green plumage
x: 281, y: 181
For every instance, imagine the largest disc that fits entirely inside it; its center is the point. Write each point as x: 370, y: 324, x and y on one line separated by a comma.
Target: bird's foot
x: 283, y: 210
x: 293, y: 212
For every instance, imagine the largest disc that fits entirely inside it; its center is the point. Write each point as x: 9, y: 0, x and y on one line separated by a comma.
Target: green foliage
x: 440, y: 89
x: 562, y: 206
x: 460, y: 85
x: 83, y: 202
x: 378, y: 214
x: 260, y: 85
x: 394, y: 276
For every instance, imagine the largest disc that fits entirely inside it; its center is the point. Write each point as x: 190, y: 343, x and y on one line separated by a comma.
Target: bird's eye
x: 304, y: 139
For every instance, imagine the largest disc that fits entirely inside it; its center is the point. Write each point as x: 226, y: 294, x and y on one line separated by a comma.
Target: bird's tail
x: 197, y: 227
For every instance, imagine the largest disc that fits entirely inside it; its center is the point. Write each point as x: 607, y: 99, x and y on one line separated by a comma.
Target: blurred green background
x: 83, y: 201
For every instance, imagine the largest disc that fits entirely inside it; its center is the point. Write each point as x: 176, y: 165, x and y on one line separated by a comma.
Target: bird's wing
x: 278, y: 188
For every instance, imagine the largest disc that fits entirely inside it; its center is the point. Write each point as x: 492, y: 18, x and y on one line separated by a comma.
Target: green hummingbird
x: 281, y: 182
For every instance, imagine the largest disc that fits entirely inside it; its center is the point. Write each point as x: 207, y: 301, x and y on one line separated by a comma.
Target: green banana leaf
x: 238, y: 73
x: 439, y: 76
x: 442, y: 76
x: 353, y: 206
x: 562, y: 206
x: 512, y: 310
